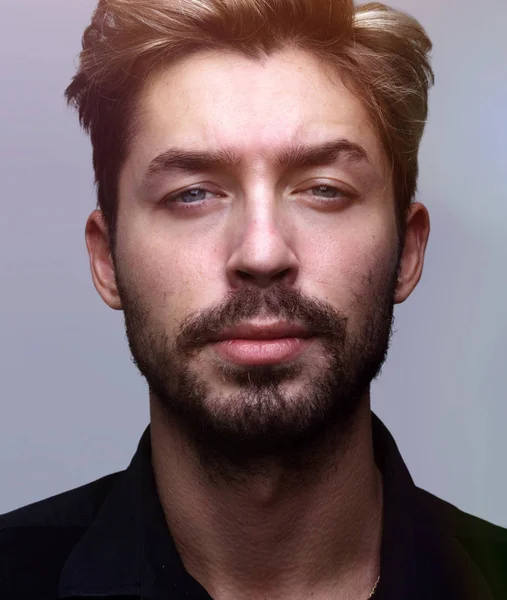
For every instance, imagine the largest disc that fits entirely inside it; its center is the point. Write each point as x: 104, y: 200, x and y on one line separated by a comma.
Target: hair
x: 381, y: 53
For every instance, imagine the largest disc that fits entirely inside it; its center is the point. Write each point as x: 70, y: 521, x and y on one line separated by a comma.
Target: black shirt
x: 109, y: 539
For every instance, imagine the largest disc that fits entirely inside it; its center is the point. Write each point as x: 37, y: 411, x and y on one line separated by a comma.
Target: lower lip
x: 261, y: 352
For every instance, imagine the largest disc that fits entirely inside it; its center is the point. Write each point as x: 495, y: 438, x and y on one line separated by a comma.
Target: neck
x: 274, y: 533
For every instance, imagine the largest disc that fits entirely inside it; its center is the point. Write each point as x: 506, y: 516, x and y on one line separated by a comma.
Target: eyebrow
x: 296, y: 157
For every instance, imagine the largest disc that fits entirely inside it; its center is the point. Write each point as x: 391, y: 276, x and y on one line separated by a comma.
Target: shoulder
x: 73, y: 507
x: 464, y: 525
x: 484, y: 542
x: 35, y: 540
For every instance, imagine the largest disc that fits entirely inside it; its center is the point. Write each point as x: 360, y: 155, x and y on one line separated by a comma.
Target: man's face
x: 262, y: 239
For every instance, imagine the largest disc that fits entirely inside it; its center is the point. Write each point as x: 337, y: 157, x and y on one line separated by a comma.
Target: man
x: 256, y: 166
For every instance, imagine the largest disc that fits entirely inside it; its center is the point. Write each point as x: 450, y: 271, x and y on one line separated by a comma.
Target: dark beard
x: 261, y: 422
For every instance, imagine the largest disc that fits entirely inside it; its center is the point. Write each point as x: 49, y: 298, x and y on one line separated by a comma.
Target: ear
x: 101, y: 262
x: 412, y: 258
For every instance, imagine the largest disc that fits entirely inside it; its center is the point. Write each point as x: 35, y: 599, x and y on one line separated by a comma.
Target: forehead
x: 213, y: 100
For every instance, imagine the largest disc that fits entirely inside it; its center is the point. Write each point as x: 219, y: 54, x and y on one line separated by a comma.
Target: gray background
x: 72, y: 405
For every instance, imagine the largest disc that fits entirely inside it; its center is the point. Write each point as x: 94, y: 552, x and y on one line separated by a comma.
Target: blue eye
x: 188, y: 196
x: 326, y: 191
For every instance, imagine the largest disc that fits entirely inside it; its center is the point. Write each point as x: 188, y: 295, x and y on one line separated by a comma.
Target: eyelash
x: 172, y: 199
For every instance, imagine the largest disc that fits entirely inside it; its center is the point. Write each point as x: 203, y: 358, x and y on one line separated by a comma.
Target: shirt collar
x: 128, y: 549
x: 420, y: 556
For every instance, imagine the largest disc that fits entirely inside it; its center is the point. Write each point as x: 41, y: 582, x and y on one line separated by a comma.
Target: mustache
x: 277, y: 302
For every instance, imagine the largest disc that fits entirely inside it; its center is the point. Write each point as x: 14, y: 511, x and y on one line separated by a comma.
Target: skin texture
x: 278, y: 495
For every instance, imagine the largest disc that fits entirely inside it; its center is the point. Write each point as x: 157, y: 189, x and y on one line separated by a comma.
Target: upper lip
x: 259, y: 331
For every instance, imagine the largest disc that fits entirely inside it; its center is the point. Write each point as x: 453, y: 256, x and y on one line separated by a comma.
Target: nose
x: 262, y: 252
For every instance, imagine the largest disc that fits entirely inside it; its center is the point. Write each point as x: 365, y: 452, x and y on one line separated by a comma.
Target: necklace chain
x: 374, y: 588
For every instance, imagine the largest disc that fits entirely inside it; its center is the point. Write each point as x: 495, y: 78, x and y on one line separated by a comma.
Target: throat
x: 268, y: 528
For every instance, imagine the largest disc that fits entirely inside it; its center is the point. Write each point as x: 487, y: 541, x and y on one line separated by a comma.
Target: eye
x: 327, y: 195
x: 329, y: 192
x: 190, y: 197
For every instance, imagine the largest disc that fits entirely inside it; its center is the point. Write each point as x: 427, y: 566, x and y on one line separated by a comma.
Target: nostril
x: 263, y: 278
x: 245, y: 276
x: 282, y: 274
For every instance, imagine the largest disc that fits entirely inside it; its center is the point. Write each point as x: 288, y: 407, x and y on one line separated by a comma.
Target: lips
x: 261, y: 352
x: 262, y: 331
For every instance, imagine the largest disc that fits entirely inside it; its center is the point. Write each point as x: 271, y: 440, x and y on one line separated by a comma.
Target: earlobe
x: 412, y: 259
x: 101, y: 262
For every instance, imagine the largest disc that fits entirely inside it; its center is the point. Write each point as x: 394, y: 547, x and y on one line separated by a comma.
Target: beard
x: 262, y: 421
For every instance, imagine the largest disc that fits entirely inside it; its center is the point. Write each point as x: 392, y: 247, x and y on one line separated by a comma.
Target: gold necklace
x: 374, y: 587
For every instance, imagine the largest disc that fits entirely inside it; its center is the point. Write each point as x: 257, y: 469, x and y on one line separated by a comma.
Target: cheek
x: 172, y: 279
x: 348, y: 266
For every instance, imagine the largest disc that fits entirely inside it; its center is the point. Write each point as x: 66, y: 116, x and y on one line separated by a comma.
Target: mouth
x: 262, y: 344
x: 262, y: 352
x: 263, y: 331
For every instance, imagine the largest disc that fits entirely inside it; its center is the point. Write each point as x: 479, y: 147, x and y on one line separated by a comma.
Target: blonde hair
x: 381, y: 53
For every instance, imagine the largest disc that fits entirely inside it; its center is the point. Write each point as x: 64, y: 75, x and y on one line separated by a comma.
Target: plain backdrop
x: 72, y: 404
